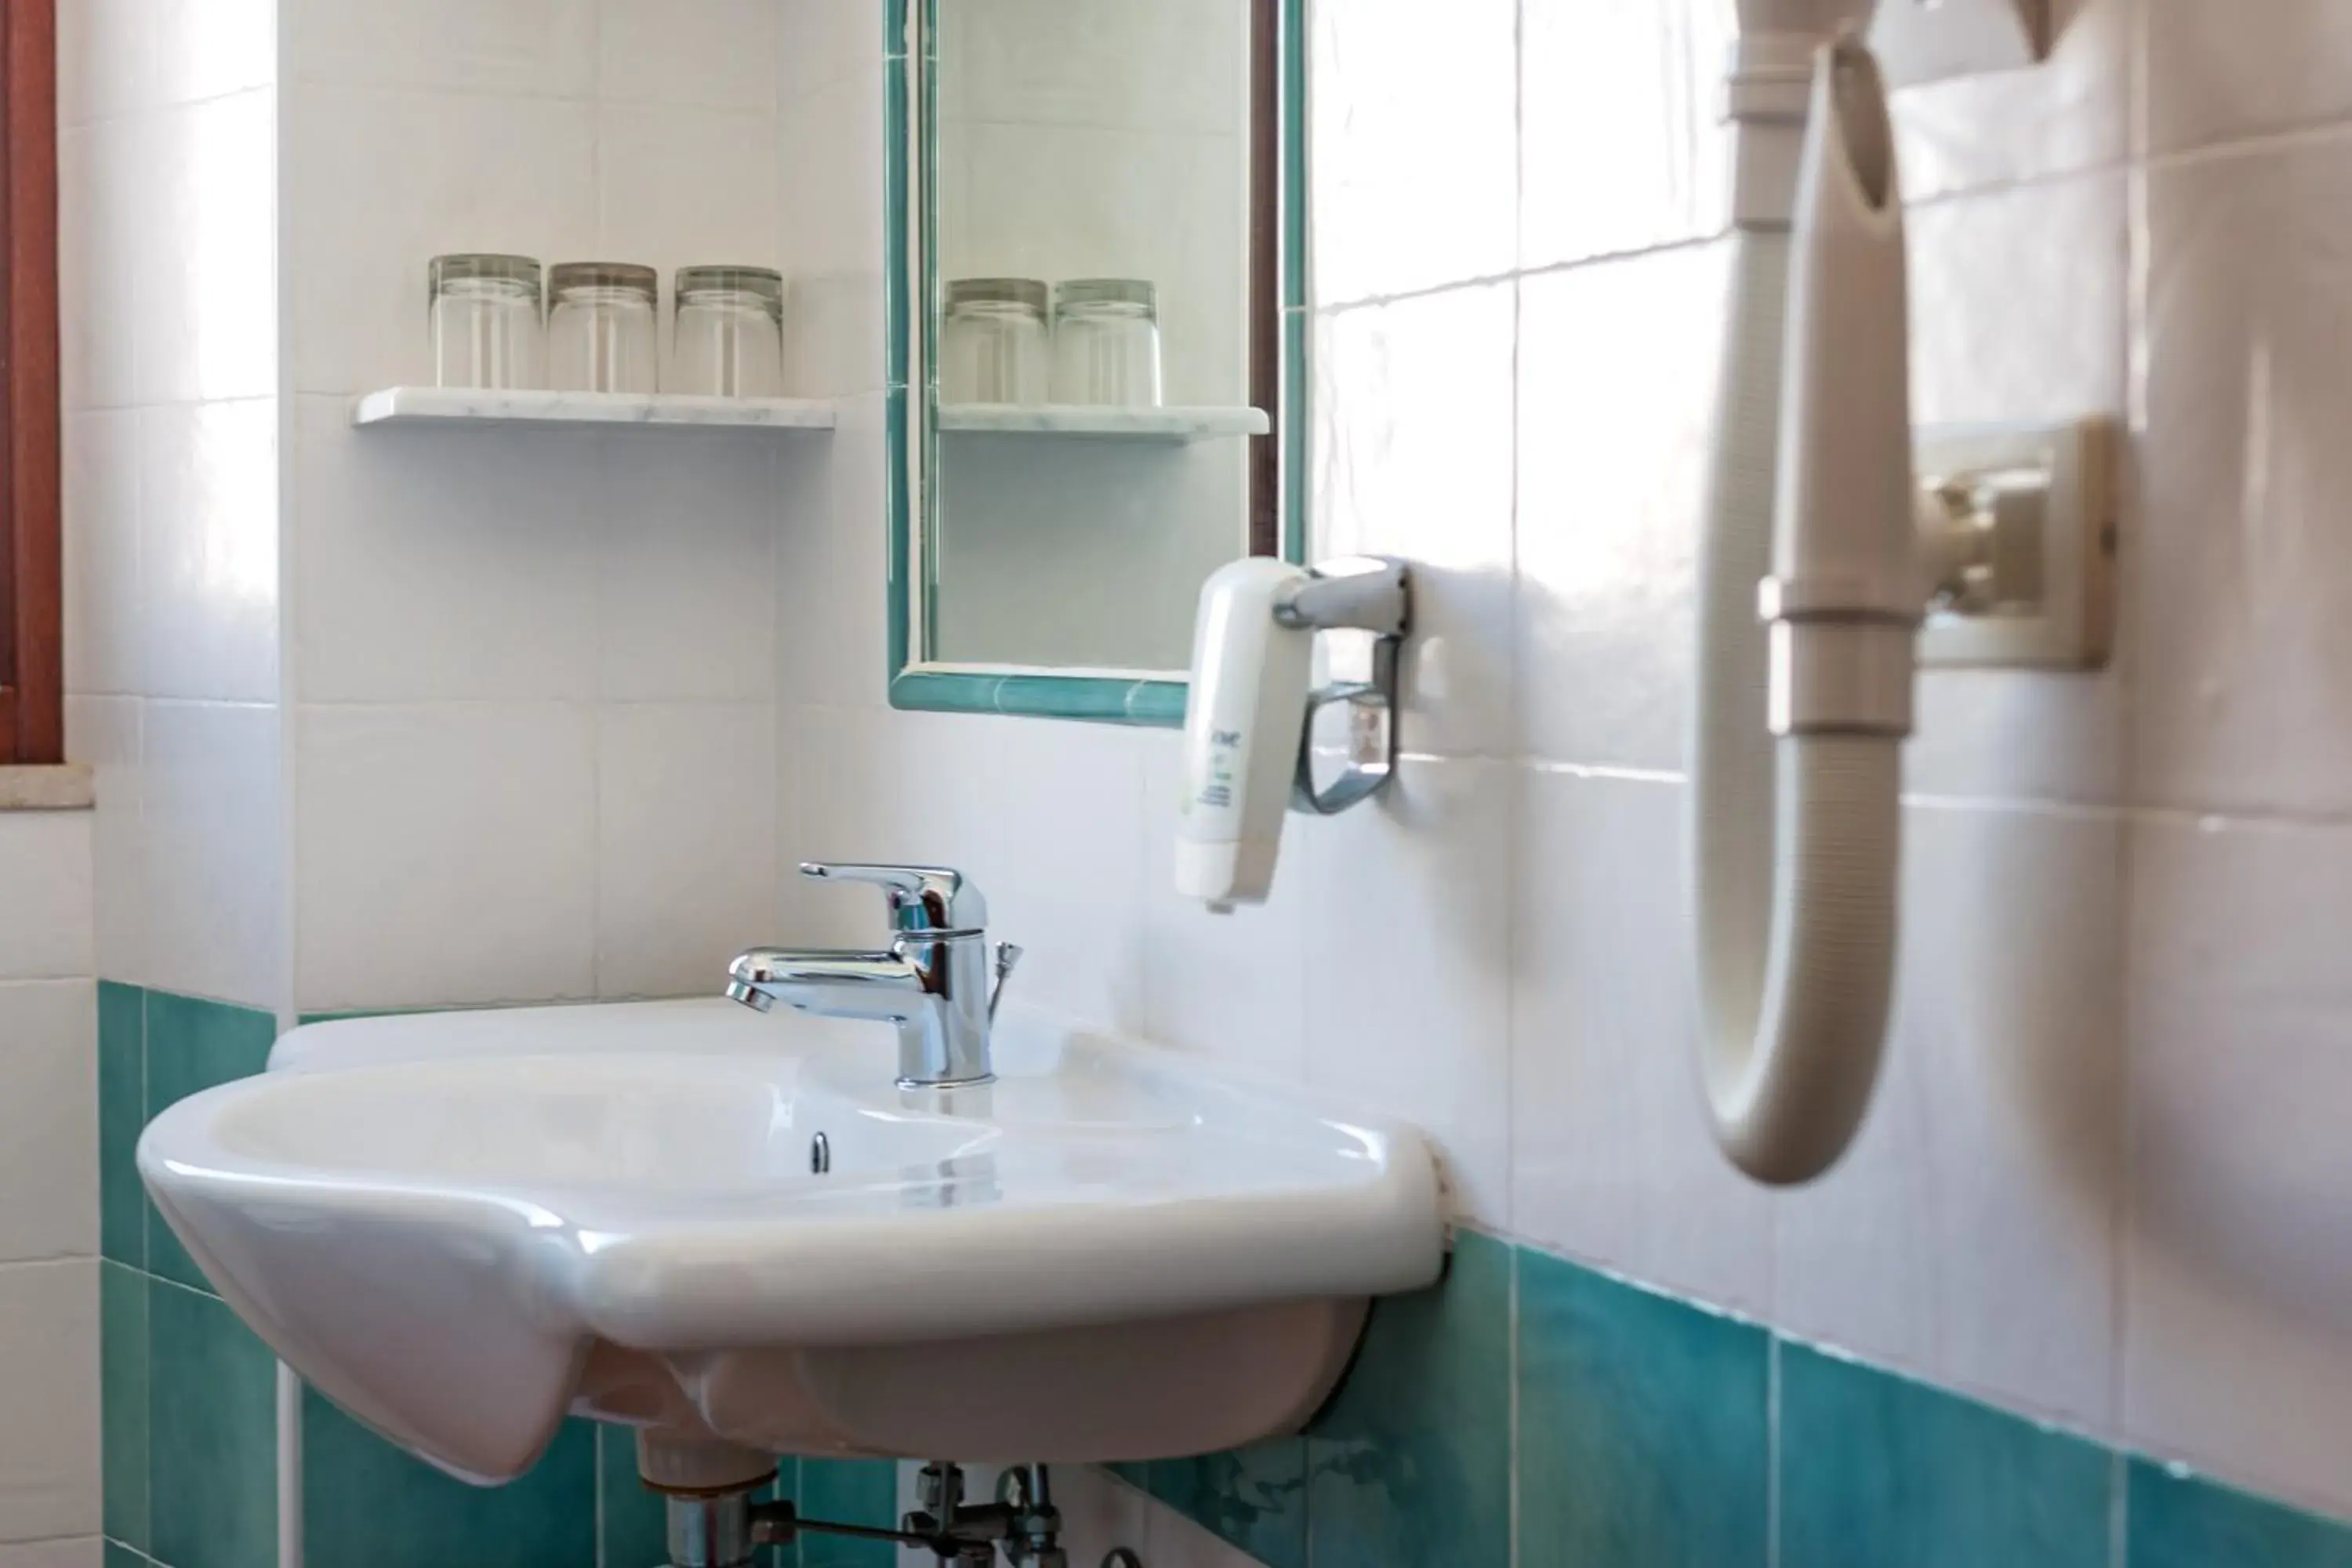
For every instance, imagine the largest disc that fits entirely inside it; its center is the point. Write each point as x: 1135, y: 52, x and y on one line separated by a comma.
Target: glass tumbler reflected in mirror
x: 602, y: 327
x: 993, y: 344
x: 487, y: 330
x: 1107, y: 342
x: 730, y: 326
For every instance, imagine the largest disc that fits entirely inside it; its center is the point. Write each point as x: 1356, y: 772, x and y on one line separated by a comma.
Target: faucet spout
x: 932, y: 986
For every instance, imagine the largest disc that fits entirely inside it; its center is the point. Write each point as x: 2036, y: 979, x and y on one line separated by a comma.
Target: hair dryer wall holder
x: 1364, y: 593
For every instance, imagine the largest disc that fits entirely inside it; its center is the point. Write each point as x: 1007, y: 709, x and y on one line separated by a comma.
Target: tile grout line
x: 2123, y: 1161
x: 596, y: 1492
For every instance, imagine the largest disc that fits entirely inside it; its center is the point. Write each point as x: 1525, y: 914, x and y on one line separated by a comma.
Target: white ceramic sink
x: 463, y: 1227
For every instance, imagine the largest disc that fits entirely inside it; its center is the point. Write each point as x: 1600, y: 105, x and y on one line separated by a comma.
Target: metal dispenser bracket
x: 1361, y: 593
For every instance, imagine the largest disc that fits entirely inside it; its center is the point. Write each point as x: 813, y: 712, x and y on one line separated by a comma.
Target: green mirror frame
x: 1278, y: 362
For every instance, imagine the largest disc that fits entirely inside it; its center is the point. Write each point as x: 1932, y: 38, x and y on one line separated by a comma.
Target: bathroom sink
x: 735, y: 1232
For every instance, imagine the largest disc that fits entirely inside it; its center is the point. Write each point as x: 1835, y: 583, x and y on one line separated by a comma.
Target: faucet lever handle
x: 921, y: 898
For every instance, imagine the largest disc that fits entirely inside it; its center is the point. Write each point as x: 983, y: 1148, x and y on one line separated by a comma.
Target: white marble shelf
x: 461, y: 405
x: 1173, y: 425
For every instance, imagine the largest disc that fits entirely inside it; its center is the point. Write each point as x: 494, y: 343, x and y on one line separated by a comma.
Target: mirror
x: 1094, y: 251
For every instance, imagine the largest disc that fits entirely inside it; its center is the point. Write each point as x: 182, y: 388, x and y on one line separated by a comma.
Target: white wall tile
x: 104, y: 731
x: 2222, y: 73
x: 2237, y: 619
x: 104, y: 180
x: 1616, y: 409
x: 686, y: 186
x: 1413, y: 411
x: 438, y: 565
x: 2020, y: 312
x: 212, y: 852
x: 379, y: 182
x: 1144, y: 65
x: 1623, y: 143
x: 207, y: 574
x: 513, y: 48
x: 48, y: 1121
x: 105, y: 58
x: 2238, y: 1318
x: 205, y: 290
x: 118, y: 57
x: 1611, y: 1160
x: 687, y: 867
x: 2020, y: 302
x: 711, y: 54
x: 822, y: 41
x: 1230, y: 986
x: 208, y: 49
x: 99, y: 460
x: 79, y: 1551
x: 1416, y: 132
x: 948, y: 789
x: 1969, y: 1234
x: 1056, y: 201
x: 45, y: 917
x: 1408, y: 962
x: 685, y: 567
x: 833, y: 577
x: 2070, y: 113
x: 830, y: 170
x: 445, y: 854
x: 49, y: 1365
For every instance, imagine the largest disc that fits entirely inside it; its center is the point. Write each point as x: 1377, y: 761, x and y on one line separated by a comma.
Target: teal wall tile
x: 211, y: 1422
x: 1642, y: 1427
x: 634, y: 1529
x: 2180, y: 1521
x: 849, y: 1491
x: 367, y: 1504
x: 1875, y: 1468
x: 193, y: 1044
x: 1255, y: 1498
x: 122, y: 1112
x: 119, y: 1556
x: 122, y: 1401
x: 1411, y: 1463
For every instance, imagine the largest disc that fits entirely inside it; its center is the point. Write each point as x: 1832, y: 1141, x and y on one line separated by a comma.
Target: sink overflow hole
x: 819, y: 1154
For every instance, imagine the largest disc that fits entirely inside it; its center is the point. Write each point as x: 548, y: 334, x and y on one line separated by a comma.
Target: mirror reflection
x: 1095, y: 329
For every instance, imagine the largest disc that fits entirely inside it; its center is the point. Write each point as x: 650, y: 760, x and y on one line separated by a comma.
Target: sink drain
x: 819, y: 1154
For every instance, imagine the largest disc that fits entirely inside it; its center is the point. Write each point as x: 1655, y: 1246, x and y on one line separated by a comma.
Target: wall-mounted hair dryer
x: 1796, y: 755
x: 1248, y: 752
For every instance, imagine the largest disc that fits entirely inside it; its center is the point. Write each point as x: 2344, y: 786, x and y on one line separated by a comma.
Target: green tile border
x: 123, y: 1394
x: 1879, y: 1468
x: 211, y: 1422
x: 1412, y: 1459
x: 2175, y: 1519
x: 194, y: 1044
x: 1647, y: 1430
x: 188, y: 1411
x: 909, y: 102
x: 121, y: 1116
x: 1649, y: 1420
x: 1255, y: 1498
x: 849, y: 1491
x: 369, y: 1504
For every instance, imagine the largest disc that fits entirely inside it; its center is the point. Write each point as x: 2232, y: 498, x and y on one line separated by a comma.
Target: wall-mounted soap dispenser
x: 1248, y: 754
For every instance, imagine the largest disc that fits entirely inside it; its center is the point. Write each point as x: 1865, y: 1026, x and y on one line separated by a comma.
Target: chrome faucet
x: 934, y: 981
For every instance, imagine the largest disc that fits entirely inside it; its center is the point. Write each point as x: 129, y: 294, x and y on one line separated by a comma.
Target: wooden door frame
x: 32, y: 685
